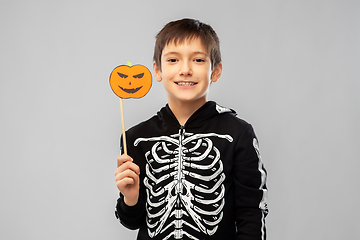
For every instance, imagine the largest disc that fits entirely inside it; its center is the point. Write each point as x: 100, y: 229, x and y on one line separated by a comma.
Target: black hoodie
x: 204, y: 180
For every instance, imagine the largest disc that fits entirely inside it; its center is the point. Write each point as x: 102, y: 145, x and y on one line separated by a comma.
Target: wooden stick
x: 123, y: 126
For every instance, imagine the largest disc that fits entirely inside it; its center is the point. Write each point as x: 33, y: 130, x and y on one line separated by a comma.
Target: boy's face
x: 186, y: 72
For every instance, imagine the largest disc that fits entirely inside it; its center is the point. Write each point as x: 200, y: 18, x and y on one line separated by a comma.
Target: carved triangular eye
x: 139, y: 75
x: 122, y: 75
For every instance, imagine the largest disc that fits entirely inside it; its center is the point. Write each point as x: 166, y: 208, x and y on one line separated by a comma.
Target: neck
x: 184, y: 110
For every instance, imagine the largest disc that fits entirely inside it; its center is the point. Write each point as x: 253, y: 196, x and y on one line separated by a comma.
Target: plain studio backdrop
x: 291, y: 69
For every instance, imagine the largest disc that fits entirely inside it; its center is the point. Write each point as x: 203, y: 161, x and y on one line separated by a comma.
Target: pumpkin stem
x: 129, y: 64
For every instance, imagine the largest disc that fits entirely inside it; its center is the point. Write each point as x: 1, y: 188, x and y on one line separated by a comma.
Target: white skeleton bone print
x: 184, y: 184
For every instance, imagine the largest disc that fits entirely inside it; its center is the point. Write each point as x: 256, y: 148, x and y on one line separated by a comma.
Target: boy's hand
x: 127, y: 179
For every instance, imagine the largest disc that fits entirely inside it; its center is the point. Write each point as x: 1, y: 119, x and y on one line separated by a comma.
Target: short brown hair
x: 188, y: 29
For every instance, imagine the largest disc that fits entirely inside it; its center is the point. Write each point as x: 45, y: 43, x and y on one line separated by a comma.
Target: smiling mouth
x: 186, y: 84
x: 130, y: 90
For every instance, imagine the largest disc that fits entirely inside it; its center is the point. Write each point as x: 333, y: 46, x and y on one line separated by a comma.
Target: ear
x: 157, y: 72
x: 215, y: 75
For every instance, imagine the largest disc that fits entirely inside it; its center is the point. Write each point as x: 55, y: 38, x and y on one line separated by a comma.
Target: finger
x: 125, y: 181
x: 126, y: 174
x: 128, y: 165
x: 122, y: 159
x: 121, y: 184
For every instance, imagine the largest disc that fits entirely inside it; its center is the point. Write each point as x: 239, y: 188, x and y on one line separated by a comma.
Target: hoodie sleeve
x: 131, y: 217
x: 250, y: 188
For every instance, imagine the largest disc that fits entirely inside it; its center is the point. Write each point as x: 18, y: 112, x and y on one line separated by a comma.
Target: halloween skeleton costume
x: 204, y: 180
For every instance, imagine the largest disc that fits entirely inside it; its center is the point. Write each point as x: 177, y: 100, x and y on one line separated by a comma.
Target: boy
x: 194, y: 170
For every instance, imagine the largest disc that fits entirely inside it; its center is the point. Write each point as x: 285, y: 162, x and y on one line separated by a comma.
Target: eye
x: 122, y: 75
x: 172, y: 60
x: 199, y: 60
x: 139, y: 75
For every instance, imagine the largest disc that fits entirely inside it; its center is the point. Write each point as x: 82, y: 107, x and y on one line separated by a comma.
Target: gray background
x: 291, y: 68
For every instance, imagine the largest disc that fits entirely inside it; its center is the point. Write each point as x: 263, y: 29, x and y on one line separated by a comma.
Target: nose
x: 185, y: 70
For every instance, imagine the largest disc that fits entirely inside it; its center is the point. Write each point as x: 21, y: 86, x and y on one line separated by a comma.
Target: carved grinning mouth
x: 130, y: 90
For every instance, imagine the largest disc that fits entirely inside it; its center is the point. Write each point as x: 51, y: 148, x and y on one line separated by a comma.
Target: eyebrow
x: 177, y: 53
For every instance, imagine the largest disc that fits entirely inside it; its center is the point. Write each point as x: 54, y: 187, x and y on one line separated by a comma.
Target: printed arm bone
x: 260, y: 164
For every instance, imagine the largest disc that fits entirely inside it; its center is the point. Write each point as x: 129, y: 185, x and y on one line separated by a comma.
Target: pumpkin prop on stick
x: 129, y: 81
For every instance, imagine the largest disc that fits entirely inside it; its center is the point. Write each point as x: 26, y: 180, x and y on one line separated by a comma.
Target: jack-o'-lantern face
x: 130, y: 81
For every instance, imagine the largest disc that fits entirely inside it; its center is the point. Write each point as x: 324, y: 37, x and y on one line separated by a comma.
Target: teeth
x: 186, y: 83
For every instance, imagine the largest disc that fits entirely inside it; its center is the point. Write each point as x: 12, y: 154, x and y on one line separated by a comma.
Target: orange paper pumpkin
x: 129, y: 81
